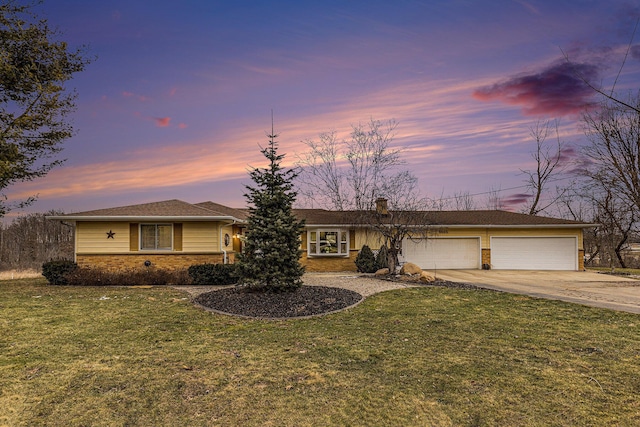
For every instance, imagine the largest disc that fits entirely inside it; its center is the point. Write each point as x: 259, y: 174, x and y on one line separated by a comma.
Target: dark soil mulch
x: 304, y: 301
x: 454, y: 285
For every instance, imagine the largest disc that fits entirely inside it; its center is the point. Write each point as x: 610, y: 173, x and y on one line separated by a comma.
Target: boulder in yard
x: 410, y: 269
x: 382, y: 272
x: 426, y: 277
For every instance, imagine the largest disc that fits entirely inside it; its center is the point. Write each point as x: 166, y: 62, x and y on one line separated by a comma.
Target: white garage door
x: 534, y: 253
x: 442, y: 254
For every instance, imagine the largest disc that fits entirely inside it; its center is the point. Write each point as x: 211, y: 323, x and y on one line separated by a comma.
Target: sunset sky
x: 180, y: 94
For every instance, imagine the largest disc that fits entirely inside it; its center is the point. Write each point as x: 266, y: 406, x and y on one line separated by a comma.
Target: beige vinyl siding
x: 371, y: 238
x: 200, y: 237
x: 91, y: 237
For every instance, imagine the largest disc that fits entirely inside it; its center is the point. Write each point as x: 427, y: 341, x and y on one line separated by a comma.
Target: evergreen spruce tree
x: 366, y: 260
x: 382, y: 258
x: 270, y: 261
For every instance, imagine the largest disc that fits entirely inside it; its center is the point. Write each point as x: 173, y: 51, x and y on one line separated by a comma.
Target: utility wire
x: 484, y: 193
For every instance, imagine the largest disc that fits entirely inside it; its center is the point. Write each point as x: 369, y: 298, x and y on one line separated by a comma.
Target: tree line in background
x: 31, y: 240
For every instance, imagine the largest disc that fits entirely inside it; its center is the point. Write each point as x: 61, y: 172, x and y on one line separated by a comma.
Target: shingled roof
x: 224, y: 210
x: 488, y: 218
x: 165, y: 210
x: 177, y: 210
x: 493, y: 218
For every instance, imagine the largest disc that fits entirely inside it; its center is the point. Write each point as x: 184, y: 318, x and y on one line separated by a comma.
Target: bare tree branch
x: 351, y: 174
x: 549, y: 166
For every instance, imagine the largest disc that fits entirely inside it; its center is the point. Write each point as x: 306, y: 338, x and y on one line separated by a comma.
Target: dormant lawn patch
x: 419, y: 356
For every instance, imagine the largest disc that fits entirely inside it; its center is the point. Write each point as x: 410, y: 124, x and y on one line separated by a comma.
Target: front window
x: 156, y: 237
x: 328, y: 242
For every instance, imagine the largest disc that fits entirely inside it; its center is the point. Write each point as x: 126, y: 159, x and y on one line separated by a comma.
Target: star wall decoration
x: 110, y: 234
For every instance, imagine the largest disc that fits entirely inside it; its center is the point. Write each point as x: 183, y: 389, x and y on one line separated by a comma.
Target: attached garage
x: 534, y: 253
x: 443, y: 253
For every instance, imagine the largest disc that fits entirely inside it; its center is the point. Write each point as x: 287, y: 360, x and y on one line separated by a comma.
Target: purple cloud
x: 558, y: 90
x: 580, y: 165
x: 514, y: 200
x: 567, y: 154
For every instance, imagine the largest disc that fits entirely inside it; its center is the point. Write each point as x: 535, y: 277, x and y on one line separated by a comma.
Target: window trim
x: 156, y: 249
x: 342, y: 237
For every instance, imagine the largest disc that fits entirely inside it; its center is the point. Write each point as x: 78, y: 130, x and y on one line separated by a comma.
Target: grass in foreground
x: 617, y: 270
x: 423, y: 356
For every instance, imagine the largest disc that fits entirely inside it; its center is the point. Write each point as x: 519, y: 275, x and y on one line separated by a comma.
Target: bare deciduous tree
x: 410, y: 220
x: 616, y: 221
x: 31, y: 240
x: 463, y: 201
x: 613, y: 152
x: 351, y: 174
x: 549, y: 166
x: 460, y: 201
x: 494, y: 200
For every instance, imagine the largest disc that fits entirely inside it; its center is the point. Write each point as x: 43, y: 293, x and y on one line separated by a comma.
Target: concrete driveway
x: 582, y: 287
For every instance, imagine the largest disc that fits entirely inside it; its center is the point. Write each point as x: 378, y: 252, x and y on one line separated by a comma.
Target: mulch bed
x: 304, y: 301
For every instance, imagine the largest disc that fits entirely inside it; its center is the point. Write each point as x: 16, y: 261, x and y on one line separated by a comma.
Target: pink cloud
x: 182, y: 126
x: 162, y: 122
x: 125, y: 176
x: 558, y: 90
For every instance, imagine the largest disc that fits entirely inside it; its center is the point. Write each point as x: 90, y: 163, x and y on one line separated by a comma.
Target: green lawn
x: 414, y: 357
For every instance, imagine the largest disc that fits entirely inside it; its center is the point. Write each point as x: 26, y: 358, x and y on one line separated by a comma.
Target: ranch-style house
x: 176, y: 234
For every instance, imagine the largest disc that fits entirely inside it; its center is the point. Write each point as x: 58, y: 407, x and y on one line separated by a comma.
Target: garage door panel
x: 443, y: 253
x: 534, y: 253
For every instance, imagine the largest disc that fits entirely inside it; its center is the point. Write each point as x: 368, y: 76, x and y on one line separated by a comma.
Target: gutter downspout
x: 224, y: 251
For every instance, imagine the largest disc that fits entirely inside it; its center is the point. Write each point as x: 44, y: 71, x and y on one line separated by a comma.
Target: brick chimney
x: 381, y: 206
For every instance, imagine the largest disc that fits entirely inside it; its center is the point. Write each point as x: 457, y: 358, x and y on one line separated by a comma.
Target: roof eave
x: 463, y: 225
x: 516, y: 225
x: 143, y: 218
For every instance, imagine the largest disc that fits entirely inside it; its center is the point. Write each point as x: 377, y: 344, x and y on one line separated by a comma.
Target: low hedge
x: 56, y: 271
x: 83, y: 276
x: 213, y: 274
x: 69, y: 273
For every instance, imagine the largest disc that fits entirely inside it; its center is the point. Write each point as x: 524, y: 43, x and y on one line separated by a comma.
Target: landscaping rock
x: 382, y: 272
x: 410, y: 269
x: 426, y: 277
